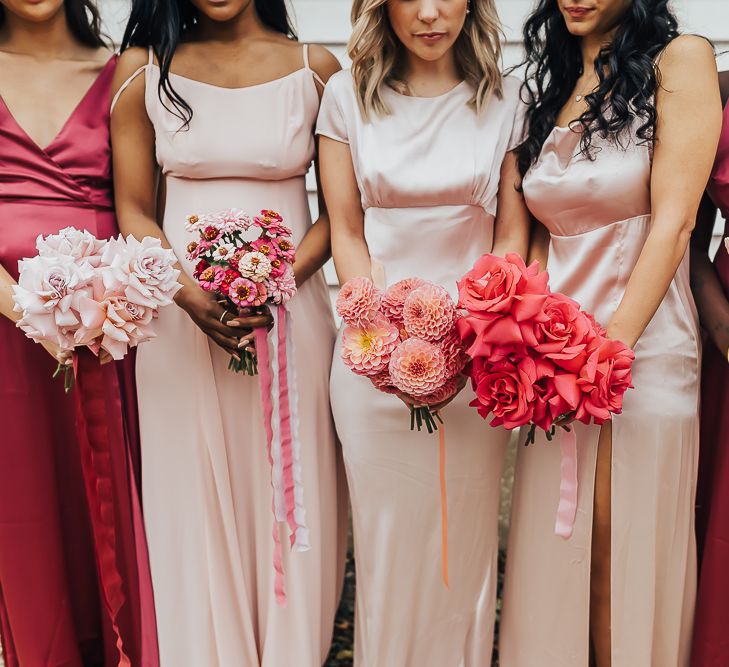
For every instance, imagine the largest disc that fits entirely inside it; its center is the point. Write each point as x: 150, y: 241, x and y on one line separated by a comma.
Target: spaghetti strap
x: 126, y: 85
x: 317, y: 78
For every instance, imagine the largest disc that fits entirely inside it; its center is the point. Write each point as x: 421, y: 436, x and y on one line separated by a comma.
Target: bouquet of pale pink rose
x: 79, y: 291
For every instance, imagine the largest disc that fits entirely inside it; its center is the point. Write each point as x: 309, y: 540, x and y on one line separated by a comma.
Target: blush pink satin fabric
x: 206, y: 473
x: 599, y: 215
x: 428, y: 176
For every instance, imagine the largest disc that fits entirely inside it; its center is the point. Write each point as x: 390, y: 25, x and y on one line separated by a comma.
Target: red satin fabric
x: 51, y: 604
x: 711, y: 641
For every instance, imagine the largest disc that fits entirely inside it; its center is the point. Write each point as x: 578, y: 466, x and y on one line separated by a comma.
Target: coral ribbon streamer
x: 567, y: 510
x: 264, y: 373
x: 287, y: 452
x: 100, y: 429
x: 443, y: 504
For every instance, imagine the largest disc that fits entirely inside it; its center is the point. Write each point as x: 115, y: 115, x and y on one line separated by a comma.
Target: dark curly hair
x: 162, y: 24
x: 83, y: 21
x: 628, y: 78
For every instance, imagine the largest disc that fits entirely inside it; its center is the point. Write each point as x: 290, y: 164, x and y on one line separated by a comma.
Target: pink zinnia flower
x: 417, y: 367
x: 285, y: 248
x: 367, y: 349
x: 243, y: 292
x: 358, y: 302
x: 211, y: 234
x: 265, y: 247
x: 211, y: 278
x: 428, y: 312
x: 283, y: 288
x: 394, y: 298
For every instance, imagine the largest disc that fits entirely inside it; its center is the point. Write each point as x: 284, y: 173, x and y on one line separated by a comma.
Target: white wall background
x: 327, y: 22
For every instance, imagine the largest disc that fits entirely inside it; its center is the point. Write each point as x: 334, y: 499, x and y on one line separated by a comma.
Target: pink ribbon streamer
x: 567, y: 510
x: 284, y: 408
x: 264, y: 374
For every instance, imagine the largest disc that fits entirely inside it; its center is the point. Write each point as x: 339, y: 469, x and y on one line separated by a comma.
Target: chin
x: 39, y: 11
x: 580, y: 28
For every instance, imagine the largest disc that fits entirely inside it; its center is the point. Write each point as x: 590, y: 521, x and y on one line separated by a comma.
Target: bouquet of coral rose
x: 246, y: 261
x: 405, y: 341
x: 79, y: 291
x: 538, y: 360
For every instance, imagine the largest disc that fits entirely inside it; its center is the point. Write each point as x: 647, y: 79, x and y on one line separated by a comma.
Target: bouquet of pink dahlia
x: 79, y: 291
x: 405, y: 341
x: 246, y: 261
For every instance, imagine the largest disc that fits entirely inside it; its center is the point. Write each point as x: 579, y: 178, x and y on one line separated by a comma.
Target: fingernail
x: 236, y: 356
x: 233, y: 323
x: 243, y: 343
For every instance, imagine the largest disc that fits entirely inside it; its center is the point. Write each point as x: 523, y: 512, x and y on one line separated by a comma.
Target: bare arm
x: 711, y: 299
x: 689, y: 123
x: 351, y: 255
x: 511, y: 230
x: 6, y: 295
x: 315, y: 248
x: 539, y: 244
x: 135, y: 187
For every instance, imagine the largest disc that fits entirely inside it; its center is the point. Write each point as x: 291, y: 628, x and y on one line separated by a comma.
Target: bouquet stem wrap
x: 100, y: 430
x: 280, y: 412
x: 567, y: 509
x: 443, y: 503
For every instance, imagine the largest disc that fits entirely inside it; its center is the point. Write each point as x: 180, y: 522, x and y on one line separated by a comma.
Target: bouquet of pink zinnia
x: 79, y: 291
x: 538, y: 360
x: 404, y: 340
x: 246, y: 261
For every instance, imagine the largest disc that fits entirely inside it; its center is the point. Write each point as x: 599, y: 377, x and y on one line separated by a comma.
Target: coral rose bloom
x: 367, y: 350
x: 428, y: 312
x: 417, y: 367
x: 358, y: 302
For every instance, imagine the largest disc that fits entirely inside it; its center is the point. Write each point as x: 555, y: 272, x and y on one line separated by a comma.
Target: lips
x: 431, y: 37
x: 578, y: 12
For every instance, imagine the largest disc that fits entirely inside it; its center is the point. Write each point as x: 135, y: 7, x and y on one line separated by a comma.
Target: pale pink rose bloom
x: 143, y: 271
x: 255, y: 266
x: 417, y: 367
x: 79, y: 244
x: 47, y: 290
x: 367, y: 350
x: 358, y: 302
x: 428, y: 312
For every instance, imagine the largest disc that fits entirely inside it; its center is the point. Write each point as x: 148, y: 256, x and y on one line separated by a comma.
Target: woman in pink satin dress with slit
x: 614, y: 219
x: 60, y: 595
x: 710, y: 282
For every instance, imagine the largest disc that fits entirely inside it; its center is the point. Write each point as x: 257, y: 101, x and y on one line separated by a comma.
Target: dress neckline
x: 447, y: 93
x: 71, y: 117
x: 239, y: 88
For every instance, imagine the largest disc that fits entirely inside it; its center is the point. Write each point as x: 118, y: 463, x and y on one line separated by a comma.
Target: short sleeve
x: 331, y: 122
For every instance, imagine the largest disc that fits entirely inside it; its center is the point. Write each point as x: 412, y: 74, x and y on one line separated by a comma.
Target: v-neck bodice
x: 75, y: 168
x: 66, y: 184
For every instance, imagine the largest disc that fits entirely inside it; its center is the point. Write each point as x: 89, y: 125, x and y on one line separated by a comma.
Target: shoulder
x: 323, y: 62
x: 511, y: 88
x: 686, y: 54
x: 340, y: 84
x: 130, y: 61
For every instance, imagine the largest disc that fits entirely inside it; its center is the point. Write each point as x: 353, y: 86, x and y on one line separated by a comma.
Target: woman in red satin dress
x: 710, y: 283
x: 70, y: 591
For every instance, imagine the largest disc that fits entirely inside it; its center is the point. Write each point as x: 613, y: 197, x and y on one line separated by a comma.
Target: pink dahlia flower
x: 443, y: 393
x: 394, y: 298
x: 428, y: 312
x: 358, y: 302
x: 367, y: 349
x: 383, y: 382
x: 417, y: 367
x: 454, y: 353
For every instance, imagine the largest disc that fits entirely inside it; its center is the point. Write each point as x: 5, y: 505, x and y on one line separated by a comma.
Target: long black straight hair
x: 626, y: 70
x: 161, y: 25
x: 83, y: 20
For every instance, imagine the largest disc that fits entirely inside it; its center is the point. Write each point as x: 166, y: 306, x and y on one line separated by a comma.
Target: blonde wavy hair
x: 377, y: 54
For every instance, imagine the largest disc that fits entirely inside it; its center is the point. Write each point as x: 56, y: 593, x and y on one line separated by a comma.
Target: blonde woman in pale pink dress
x: 419, y: 181
x: 231, y: 126
x: 616, y: 165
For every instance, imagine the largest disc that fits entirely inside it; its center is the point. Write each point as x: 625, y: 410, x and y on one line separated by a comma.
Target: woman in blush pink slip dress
x: 710, y: 283
x: 419, y: 181
x: 615, y: 218
x: 224, y: 116
x: 55, y: 172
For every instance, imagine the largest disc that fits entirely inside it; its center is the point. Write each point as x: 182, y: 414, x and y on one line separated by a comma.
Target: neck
x: 243, y: 26
x: 45, y: 40
x: 443, y: 70
x: 591, y: 46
